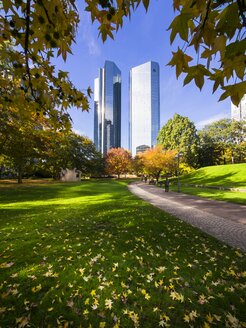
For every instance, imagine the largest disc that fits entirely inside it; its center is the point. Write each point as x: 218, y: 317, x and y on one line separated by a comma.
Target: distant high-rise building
x: 107, y: 108
x: 144, y: 106
x: 239, y: 112
x: 142, y: 149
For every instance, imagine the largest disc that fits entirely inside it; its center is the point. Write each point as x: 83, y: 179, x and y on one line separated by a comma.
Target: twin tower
x: 144, y: 117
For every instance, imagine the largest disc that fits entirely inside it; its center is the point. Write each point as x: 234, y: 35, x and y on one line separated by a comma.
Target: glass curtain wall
x: 144, y: 106
x: 107, y: 105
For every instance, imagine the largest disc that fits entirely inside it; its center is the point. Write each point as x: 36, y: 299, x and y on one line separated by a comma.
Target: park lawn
x: 229, y: 176
x: 224, y: 195
x: 94, y: 255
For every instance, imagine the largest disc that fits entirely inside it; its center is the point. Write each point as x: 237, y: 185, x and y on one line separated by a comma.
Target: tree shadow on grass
x: 221, y: 180
x: 60, y: 255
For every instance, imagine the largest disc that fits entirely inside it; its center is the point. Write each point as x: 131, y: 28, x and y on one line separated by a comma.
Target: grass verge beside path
x: 228, y: 196
x: 228, y: 176
x: 93, y: 255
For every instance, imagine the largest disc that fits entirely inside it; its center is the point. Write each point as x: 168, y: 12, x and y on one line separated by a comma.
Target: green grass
x: 230, y: 176
x: 93, y: 255
x: 224, y: 195
x: 227, y: 176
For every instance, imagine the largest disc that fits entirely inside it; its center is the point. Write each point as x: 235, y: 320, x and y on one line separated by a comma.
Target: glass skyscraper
x: 107, y: 108
x: 144, y: 106
x: 238, y: 113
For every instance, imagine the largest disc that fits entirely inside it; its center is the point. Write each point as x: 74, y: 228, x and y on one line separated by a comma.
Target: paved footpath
x: 222, y: 220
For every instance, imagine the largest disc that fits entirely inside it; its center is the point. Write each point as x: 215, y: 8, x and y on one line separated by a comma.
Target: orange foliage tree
x: 137, y: 164
x: 157, y: 160
x: 118, y: 161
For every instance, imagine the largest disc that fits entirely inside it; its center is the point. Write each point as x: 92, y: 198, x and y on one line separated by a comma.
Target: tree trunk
x: 20, y: 173
x: 224, y: 157
x: 232, y: 157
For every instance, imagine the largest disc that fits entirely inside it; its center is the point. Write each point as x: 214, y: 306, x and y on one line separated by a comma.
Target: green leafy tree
x: 209, y: 152
x: 240, y: 153
x: 180, y: 134
x: 213, y: 30
x: 221, y: 141
x: 118, y: 161
x: 69, y: 150
x: 21, y: 137
x: 6, y: 166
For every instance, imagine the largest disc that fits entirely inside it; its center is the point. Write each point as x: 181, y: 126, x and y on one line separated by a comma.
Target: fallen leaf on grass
x: 37, y: 288
x: 22, y: 322
x: 6, y: 265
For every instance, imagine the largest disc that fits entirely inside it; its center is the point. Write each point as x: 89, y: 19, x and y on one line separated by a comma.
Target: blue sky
x: 143, y: 38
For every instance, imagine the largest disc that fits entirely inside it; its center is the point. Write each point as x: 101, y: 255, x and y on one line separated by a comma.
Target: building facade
x: 238, y: 113
x: 144, y: 106
x: 107, y: 108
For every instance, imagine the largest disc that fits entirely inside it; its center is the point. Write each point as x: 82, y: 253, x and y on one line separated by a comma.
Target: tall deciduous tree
x: 209, y: 152
x: 157, y: 160
x: 180, y: 133
x: 212, y: 35
x: 138, y: 165
x: 222, y: 138
x: 69, y: 150
x: 21, y: 136
x: 118, y: 161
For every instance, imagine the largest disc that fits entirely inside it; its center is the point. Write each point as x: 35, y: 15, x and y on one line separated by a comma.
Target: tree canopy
x: 33, y: 32
x: 157, y: 160
x: 70, y: 150
x: 180, y: 133
x: 222, y: 141
x: 211, y: 35
x: 118, y: 161
x: 29, y: 140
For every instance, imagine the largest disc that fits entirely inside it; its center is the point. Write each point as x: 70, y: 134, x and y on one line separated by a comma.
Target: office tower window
x: 144, y: 106
x: 239, y: 112
x: 107, y: 108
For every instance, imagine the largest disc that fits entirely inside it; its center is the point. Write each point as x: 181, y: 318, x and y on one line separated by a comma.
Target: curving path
x: 222, y: 220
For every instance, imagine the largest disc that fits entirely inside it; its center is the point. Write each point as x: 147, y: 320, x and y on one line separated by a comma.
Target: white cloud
x: 93, y: 47
x: 86, y: 31
x: 79, y: 132
x: 201, y: 124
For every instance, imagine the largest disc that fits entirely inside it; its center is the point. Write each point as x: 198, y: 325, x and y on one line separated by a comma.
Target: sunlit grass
x: 93, y: 255
x: 228, y: 196
x: 225, y: 176
x: 230, y: 175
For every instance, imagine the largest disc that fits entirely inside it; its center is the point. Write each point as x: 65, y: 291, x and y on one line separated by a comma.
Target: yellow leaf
x: 2, y: 309
x: 37, y: 288
x: 93, y: 292
x: 81, y: 271
x: 108, y: 304
x: 147, y: 296
x: 210, y: 318
x: 22, y: 322
x: 217, y: 317
x: 6, y: 265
